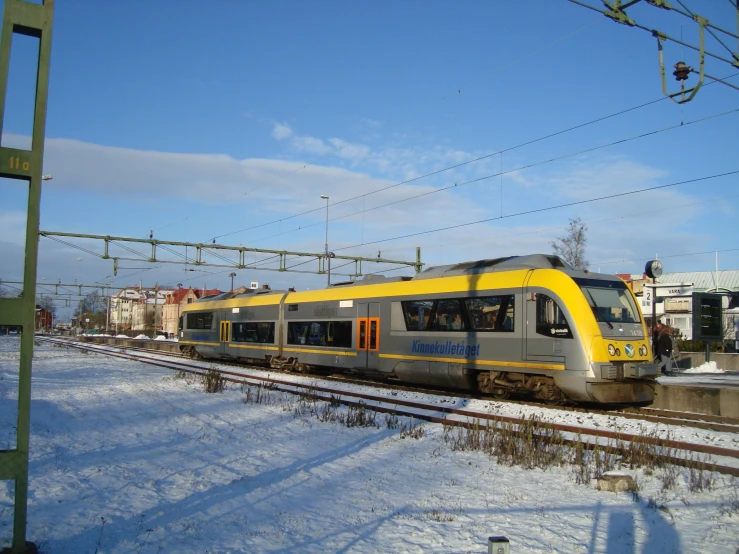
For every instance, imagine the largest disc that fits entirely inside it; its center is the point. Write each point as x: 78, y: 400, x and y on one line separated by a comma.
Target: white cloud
x: 349, y: 151
x: 281, y: 131
x: 370, y: 122
x: 222, y: 194
x: 311, y: 145
x: 590, y: 178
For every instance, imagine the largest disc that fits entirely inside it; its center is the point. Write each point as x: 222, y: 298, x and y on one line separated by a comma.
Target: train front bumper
x: 632, y: 392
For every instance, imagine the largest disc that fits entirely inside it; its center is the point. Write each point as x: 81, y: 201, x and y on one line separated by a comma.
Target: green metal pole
x: 33, y: 20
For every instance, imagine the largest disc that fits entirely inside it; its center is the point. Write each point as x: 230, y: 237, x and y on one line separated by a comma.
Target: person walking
x: 664, y: 349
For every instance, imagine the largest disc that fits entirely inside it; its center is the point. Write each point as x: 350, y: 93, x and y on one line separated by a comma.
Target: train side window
x: 341, y: 335
x: 550, y: 320
x: 320, y: 333
x: 266, y: 332
x: 449, y: 317
x: 200, y: 320
x: 253, y: 332
x: 418, y: 314
x: 491, y: 313
x: 374, y: 334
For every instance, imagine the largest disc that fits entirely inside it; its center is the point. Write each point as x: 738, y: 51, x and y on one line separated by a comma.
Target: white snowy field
x: 126, y: 458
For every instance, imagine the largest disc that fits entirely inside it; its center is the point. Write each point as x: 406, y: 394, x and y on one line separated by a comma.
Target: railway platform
x: 162, y: 345
x: 703, y: 393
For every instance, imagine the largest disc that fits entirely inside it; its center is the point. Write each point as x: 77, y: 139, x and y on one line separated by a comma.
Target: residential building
x: 121, y: 308
x: 146, y: 314
x: 137, y: 308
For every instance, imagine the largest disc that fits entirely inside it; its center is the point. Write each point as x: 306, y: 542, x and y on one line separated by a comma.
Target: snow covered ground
x: 126, y: 458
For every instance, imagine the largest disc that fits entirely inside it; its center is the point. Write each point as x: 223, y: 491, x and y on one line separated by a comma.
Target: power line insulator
x: 682, y: 71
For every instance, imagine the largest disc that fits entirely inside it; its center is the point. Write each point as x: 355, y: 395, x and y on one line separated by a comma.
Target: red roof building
x: 178, y: 299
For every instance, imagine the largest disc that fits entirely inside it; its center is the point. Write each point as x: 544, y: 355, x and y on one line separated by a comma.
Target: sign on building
x: 708, y: 322
x: 675, y: 290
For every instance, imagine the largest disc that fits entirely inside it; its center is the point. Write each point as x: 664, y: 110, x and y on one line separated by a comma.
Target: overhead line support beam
x: 617, y: 13
x: 200, y: 248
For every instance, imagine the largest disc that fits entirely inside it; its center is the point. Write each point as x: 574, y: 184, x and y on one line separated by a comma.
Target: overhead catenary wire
x: 448, y: 168
x: 666, y: 37
x: 708, y: 27
x: 545, y: 209
x: 519, y: 168
x: 455, y: 166
x: 223, y: 258
x: 663, y: 256
x: 651, y: 211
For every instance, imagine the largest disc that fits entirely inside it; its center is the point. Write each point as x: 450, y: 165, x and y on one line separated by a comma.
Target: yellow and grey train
x: 524, y: 325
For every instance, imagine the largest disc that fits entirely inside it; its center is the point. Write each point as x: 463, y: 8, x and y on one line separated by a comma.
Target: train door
x: 368, y: 335
x: 546, y: 328
x: 224, y: 336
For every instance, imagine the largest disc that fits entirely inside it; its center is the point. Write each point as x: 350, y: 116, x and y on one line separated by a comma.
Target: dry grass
x: 731, y: 507
x: 259, y: 394
x: 412, y: 430
x: 530, y: 444
x: 700, y: 478
x: 533, y: 444
x: 213, y: 381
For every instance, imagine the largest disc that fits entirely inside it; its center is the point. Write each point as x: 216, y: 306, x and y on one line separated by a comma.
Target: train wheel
x: 500, y: 394
x: 191, y: 352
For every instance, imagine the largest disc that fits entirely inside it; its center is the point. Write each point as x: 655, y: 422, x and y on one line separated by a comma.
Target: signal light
x: 611, y: 350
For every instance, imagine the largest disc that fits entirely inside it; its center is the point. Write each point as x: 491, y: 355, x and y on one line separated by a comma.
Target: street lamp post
x: 77, y: 271
x: 232, y: 275
x: 328, y: 281
x: 179, y: 300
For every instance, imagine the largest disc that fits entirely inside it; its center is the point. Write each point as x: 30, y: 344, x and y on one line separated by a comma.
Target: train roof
x: 508, y: 263
x: 496, y: 265
x: 239, y: 293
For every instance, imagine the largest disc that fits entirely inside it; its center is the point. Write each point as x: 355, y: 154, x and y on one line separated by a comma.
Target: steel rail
x: 667, y: 417
x: 331, y: 395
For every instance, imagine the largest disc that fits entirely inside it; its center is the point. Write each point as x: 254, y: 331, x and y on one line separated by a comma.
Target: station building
x: 674, y: 298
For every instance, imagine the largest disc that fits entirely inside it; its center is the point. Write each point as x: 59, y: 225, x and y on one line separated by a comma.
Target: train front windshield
x: 611, y: 301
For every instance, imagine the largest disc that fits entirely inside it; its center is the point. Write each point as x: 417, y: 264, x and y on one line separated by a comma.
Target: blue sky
x: 226, y: 119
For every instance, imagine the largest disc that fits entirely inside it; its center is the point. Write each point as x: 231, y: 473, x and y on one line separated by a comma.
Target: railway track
x: 583, y: 437
x: 652, y: 415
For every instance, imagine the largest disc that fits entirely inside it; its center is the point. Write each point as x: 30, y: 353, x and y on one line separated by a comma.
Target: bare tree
x: 47, y: 303
x: 93, y: 307
x: 571, y: 246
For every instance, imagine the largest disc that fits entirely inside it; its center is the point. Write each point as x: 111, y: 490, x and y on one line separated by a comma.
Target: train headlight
x: 611, y: 350
x: 643, y: 350
x: 618, y: 351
